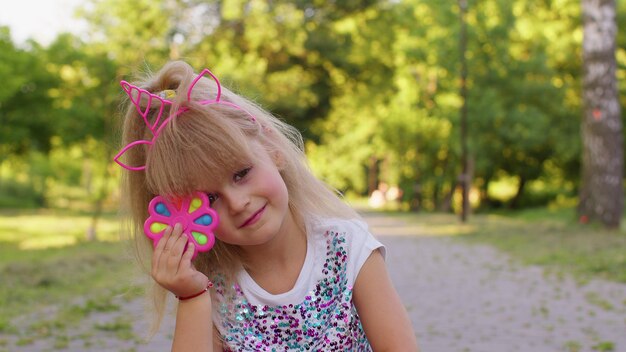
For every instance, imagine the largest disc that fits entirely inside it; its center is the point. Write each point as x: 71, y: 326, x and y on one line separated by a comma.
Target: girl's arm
x: 173, y: 270
x: 217, y: 341
x: 384, y: 318
x: 194, y: 327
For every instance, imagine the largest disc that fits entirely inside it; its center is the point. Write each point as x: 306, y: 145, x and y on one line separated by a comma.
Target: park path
x: 460, y: 297
x: 463, y: 297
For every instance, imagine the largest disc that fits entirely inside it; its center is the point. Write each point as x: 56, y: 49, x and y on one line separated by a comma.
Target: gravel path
x: 464, y: 297
x: 460, y: 297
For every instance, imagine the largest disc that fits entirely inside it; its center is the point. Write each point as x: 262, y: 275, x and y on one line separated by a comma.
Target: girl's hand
x: 172, y: 267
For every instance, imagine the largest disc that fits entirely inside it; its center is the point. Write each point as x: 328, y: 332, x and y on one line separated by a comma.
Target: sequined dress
x: 318, y: 313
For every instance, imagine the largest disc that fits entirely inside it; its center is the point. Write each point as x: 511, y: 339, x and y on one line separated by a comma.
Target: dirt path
x: 460, y: 298
x: 472, y: 298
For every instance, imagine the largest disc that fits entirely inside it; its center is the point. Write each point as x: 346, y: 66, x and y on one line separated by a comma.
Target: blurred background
x: 467, y: 109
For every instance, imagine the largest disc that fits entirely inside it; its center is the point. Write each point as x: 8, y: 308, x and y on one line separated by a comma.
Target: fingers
x: 185, y: 261
x: 173, y: 252
x: 171, y: 263
x: 158, y: 250
x: 177, y: 240
x: 170, y: 236
x: 168, y: 251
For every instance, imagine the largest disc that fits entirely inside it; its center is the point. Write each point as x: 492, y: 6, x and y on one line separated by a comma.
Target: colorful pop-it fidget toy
x: 193, y: 213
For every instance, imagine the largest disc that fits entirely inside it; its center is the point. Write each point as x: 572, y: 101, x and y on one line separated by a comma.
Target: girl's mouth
x: 254, y: 218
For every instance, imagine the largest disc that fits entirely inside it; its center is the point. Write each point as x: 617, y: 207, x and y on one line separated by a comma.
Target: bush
x: 539, y: 198
x: 14, y: 194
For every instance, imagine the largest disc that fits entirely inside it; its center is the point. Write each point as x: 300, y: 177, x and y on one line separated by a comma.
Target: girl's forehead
x: 212, y: 178
x: 201, y: 162
x: 213, y: 181
x: 206, y: 179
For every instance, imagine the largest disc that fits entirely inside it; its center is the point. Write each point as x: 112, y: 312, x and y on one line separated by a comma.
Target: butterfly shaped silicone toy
x: 193, y: 213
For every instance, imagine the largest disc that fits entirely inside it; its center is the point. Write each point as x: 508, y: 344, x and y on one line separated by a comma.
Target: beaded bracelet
x: 197, y: 294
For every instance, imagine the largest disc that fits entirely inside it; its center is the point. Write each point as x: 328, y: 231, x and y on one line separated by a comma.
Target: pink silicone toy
x: 193, y: 213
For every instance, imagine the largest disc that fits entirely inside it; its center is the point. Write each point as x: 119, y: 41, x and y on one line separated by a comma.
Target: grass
x: 554, y: 239
x: 46, y: 262
x: 44, y: 229
x: 120, y: 327
x: 547, y: 237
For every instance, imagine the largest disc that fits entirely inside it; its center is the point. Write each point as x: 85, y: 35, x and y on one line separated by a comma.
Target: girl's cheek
x: 223, y: 236
x: 220, y: 230
x: 223, y: 226
x: 218, y: 235
x: 217, y: 209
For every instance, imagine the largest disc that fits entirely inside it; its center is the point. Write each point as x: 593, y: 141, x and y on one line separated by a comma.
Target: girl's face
x: 252, y: 202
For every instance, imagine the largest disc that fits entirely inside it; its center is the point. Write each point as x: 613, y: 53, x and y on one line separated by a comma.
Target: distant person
x: 292, y: 268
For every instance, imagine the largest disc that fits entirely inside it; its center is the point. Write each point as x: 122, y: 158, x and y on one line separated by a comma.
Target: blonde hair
x: 207, y: 141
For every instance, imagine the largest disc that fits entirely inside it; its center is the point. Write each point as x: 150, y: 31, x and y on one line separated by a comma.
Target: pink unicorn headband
x: 136, y: 95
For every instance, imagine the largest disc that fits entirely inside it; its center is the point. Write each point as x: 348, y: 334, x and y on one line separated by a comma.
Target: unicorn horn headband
x: 136, y: 95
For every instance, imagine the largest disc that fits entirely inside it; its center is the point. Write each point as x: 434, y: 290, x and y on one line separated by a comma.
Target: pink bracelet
x: 197, y: 294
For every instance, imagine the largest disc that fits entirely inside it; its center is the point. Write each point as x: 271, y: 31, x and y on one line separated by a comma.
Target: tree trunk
x: 601, y: 193
x: 485, y: 200
x: 416, y: 198
x: 92, y: 230
x: 372, y: 176
x: 465, y: 177
x: 446, y: 203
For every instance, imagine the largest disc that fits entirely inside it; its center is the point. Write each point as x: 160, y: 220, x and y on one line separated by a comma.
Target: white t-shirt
x: 317, y: 313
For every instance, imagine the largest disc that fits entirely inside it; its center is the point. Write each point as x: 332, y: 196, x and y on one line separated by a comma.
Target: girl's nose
x: 237, y: 200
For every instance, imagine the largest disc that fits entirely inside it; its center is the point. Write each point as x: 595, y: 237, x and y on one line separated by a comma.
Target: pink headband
x: 157, y: 126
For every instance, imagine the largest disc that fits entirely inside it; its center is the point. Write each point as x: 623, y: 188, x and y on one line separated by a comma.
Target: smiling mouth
x: 254, y: 218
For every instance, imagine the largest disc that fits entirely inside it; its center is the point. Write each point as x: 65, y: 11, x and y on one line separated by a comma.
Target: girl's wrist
x: 197, y: 294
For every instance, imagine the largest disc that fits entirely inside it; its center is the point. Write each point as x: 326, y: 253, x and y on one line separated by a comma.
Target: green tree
x: 26, y: 121
x: 137, y: 34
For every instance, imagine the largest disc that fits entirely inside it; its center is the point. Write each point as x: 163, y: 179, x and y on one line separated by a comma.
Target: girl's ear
x: 270, y: 141
x: 279, y: 159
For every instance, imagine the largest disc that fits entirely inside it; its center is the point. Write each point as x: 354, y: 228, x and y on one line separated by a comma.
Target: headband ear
x: 193, y: 84
x: 218, y: 96
x: 137, y: 95
x: 125, y: 149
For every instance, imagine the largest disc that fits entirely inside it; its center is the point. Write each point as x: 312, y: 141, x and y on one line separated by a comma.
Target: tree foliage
x: 25, y: 119
x: 372, y: 84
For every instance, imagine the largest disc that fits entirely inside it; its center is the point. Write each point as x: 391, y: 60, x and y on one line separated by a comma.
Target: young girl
x: 293, y: 267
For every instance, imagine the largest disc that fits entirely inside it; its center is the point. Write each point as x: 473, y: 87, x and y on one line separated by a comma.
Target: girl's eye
x: 241, y: 174
x: 212, y: 197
